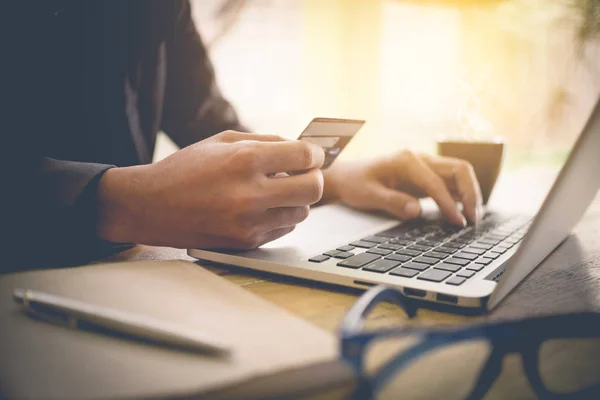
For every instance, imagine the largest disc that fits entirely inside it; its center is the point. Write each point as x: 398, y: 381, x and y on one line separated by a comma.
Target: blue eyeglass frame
x: 522, y: 336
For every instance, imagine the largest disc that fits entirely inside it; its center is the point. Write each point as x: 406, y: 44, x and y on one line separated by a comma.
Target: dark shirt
x: 86, y: 86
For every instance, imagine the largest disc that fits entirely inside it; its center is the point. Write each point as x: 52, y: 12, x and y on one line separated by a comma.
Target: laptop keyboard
x: 432, y: 251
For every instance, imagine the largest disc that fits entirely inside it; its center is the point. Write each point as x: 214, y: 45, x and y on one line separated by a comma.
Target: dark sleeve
x: 51, y: 215
x: 194, y: 107
x: 47, y: 206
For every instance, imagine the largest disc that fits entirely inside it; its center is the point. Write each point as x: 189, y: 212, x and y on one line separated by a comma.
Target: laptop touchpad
x: 332, y: 225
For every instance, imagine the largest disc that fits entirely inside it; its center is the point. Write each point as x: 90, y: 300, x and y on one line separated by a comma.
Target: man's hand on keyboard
x: 394, y: 183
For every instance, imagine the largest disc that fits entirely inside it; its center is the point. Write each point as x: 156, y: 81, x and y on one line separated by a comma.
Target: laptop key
x: 475, y: 267
x: 407, y: 273
x: 381, y: 252
x: 474, y: 250
x: 435, y: 239
x: 458, y: 261
x: 402, y: 242
x: 426, y: 260
x: 430, y: 228
x: 488, y: 241
x: 484, y: 261
x: 408, y: 252
x: 344, y: 254
x: 491, y: 255
x: 499, y: 250
x: 318, y: 259
x: 416, y: 265
x: 381, y: 266
x: 363, y: 244
x: 331, y: 253
x: 448, y: 267
x: 444, y: 249
x: 456, y: 281
x: 435, y: 254
x: 481, y: 245
x: 467, y: 256
x: 398, y: 257
x: 454, y: 245
x: 359, y: 260
x: 376, y: 239
x: 427, y: 243
x: 447, y: 227
x: 419, y: 248
x: 390, y: 246
x: 434, y: 275
x: 465, y: 273
x: 345, y: 248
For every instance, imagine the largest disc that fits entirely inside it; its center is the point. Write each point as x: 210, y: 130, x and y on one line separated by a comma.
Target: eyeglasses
x: 560, y: 354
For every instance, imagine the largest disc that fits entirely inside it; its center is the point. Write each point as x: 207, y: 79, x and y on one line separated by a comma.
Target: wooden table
x: 569, y: 280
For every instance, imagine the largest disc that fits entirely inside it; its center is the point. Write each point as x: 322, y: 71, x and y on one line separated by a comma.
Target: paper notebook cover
x: 42, y: 360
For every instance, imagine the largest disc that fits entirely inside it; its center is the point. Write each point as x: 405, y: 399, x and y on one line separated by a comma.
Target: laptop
x: 427, y: 259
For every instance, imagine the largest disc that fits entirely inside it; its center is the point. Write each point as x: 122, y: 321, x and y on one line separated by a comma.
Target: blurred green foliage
x: 551, y: 157
x: 589, y: 13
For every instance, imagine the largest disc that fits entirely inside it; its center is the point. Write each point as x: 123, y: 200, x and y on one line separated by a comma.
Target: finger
x: 293, y: 191
x: 289, y: 156
x: 469, y: 192
x: 392, y: 201
x: 467, y: 186
x: 283, y: 217
x: 432, y: 184
x: 235, y: 136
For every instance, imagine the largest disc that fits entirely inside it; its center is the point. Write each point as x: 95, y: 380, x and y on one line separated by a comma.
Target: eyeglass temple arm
x: 487, y: 375
x: 353, y: 319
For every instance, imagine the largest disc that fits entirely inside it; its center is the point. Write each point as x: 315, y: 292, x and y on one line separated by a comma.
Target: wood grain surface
x: 567, y: 281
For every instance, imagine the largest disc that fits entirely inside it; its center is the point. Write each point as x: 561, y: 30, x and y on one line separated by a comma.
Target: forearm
x: 51, y: 215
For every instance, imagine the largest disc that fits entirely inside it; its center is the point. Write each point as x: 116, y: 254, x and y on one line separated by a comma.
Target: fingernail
x: 318, y: 153
x: 411, y: 210
x: 479, y: 213
x: 462, y: 219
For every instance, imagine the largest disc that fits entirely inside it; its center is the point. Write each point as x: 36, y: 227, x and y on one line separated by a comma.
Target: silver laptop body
x: 513, y: 246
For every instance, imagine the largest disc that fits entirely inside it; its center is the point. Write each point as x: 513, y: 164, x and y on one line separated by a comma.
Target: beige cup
x: 485, y: 155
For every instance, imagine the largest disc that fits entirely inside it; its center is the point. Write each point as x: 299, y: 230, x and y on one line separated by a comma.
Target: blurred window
x: 415, y: 70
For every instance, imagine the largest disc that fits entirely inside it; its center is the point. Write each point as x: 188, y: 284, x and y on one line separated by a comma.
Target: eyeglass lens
x: 451, y: 371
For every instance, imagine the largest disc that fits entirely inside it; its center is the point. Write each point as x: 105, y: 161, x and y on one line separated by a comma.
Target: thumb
x: 394, y: 202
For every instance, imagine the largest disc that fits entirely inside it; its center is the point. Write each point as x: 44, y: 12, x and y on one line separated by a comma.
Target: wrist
x: 118, y: 203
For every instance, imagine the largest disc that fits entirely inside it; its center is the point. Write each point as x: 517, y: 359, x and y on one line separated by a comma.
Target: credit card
x: 332, y: 134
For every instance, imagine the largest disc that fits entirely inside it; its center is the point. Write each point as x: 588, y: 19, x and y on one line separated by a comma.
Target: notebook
x: 275, y: 353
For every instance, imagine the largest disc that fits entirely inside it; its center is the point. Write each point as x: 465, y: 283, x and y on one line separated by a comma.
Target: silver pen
x: 79, y: 314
